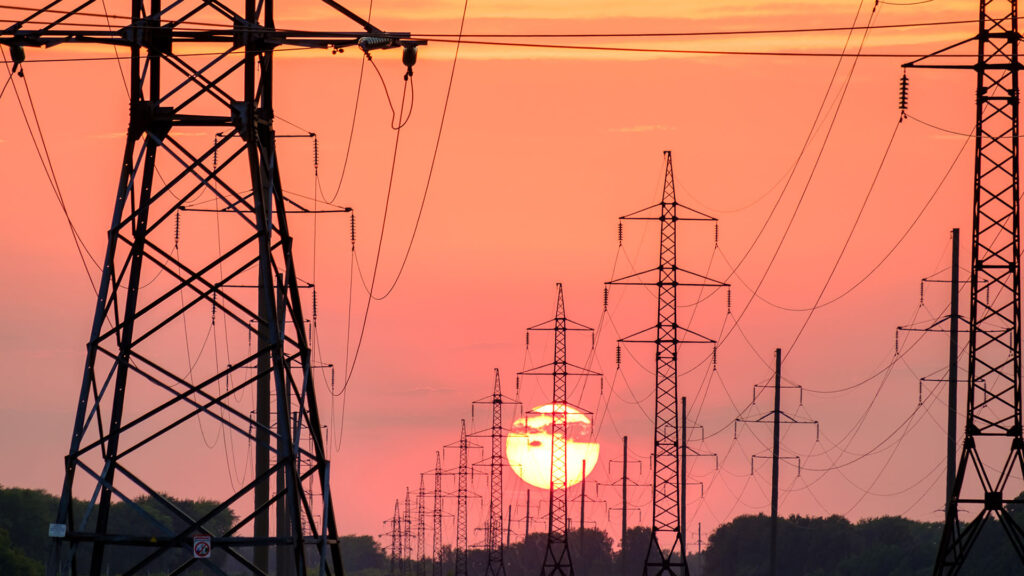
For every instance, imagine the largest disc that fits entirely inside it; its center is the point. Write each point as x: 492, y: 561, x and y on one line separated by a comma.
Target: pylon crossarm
x: 655, y: 210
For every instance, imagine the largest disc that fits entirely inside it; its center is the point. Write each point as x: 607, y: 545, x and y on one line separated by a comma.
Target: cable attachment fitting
x: 904, y: 95
x: 17, y: 58
x: 409, y: 49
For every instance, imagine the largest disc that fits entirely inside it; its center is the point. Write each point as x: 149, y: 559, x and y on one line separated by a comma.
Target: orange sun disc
x: 528, y: 447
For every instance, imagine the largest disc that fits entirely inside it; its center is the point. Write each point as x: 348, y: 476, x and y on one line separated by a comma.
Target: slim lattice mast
x: 462, y: 510
x: 421, y: 527
x: 988, y: 477
x: 557, y: 559
x: 495, y: 464
x: 438, y: 514
x: 407, y: 533
x: 667, y: 551
x: 396, y: 540
x: 143, y: 387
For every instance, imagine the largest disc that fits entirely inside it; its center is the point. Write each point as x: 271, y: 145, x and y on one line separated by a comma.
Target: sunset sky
x: 829, y: 207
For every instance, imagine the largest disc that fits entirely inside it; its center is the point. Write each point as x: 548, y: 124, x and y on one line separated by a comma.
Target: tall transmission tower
x: 407, y: 533
x: 949, y: 323
x: 396, y: 540
x: 495, y: 465
x: 993, y: 439
x: 421, y: 527
x: 140, y: 392
x: 777, y: 418
x: 557, y: 559
x: 666, y: 555
x: 437, y: 516
x: 462, y: 504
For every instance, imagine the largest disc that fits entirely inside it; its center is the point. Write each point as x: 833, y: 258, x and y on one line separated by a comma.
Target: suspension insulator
x: 314, y: 304
x: 618, y: 355
x: 620, y: 233
x: 213, y: 311
x: 527, y: 340
x: 352, y: 218
x: 904, y: 93
x: 714, y: 358
x: 177, y: 228
x: 922, y: 294
x: 316, y: 156
x: 605, y: 298
x: 728, y: 300
x: 897, y: 342
x: 716, y: 234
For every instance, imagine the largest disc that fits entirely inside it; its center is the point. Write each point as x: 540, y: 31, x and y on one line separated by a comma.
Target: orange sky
x: 541, y: 151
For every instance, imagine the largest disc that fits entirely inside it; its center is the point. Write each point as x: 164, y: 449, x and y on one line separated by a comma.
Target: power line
x: 682, y: 51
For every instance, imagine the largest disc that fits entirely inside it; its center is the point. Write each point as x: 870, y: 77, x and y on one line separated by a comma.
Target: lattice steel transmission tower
x: 438, y: 514
x: 462, y: 506
x: 993, y: 441
x: 495, y: 465
x: 396, y: 540
x: 667, y: 551
x: 407, y: 532
x: 421, y: 527
x: 141, y: 392
x: 557, y: 559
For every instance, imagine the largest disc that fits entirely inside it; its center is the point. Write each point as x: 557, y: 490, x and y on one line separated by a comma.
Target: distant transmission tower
x: 462, y: 505
x: 141, y: 390
x: 407, y: 533
x: 496, y: 463
x: 993, y: 448
x: 438, y: 514
x: 421, y: 527
x: 396, y: 540
x: 666, y: 554
x: 777, y: 418
x: 557, y: 560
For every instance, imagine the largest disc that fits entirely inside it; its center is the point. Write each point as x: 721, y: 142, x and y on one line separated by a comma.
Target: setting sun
x: 529, y: 446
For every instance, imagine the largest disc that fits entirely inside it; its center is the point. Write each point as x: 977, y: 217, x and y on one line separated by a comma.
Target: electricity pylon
x: 495, y: 464
x: 775, y: 417
x: 437, y: 515
x: 407, y: 533
x: 396, y: 540
x: 142, y: 391
x: 421, y: 527
x: 992, y: 461
x: 666, y: 555
x: 557, y: 560
x: 462, y: 501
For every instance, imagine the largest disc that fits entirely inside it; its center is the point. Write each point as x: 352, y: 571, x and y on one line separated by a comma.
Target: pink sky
x: 542, y: 150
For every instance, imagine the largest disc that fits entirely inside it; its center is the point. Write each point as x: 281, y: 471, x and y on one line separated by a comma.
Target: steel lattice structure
x: 138, y: 393
x: 495, y: 467
x: 407, y: 533
x: 396, y: 539
x: 462, y: 508
x: 992, y: 440
x: 421, y: 527
x: 557, y: 559
x: 667, y: 551
x: 438, y: 514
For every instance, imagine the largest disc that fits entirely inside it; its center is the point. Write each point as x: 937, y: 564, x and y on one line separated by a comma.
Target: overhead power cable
x: 684, y: 51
